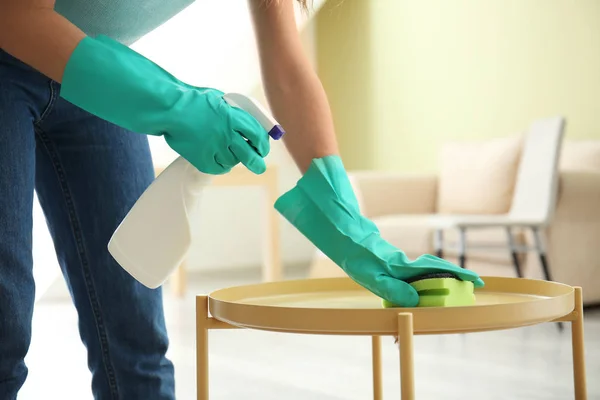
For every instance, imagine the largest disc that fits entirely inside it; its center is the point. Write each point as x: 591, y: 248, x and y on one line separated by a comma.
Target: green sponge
x: 440, y: 290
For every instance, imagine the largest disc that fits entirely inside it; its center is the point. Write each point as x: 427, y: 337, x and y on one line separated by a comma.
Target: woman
x: 76, y: 105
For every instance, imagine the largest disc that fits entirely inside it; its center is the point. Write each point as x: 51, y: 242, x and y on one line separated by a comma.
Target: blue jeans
x: 87, y: 174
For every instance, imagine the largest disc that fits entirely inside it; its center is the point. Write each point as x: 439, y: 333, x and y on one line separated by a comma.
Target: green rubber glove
x: 117, y: 84
x: 323, y: 207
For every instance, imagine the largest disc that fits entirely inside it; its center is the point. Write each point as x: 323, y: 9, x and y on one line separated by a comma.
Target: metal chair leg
x: 438, y: 243
x: 462, y: 258
x: 542, y: 253
x: 513, y: 252
x: 539, y: 245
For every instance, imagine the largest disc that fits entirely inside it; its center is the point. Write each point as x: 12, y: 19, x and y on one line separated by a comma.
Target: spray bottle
x: 154, y: 238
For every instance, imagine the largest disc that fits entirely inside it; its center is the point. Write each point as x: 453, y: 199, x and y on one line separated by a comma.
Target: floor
x: 529, y: 363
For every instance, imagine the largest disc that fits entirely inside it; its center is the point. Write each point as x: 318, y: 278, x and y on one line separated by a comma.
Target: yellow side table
x: 338, y: 306
x: 239, y: 176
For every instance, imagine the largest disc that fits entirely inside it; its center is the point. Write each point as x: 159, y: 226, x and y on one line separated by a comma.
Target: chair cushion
x: 411, y: 233
x: 478, y: 177
x: 580, y: 155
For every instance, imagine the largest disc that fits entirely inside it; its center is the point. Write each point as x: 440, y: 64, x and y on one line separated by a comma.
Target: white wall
x: 212, y: 44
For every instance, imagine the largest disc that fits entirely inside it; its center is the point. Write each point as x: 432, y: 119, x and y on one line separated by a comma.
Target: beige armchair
x: 400, y: 205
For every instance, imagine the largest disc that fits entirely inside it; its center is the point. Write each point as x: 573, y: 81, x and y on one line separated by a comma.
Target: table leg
x: 377, y: 381
x: 202, y: 347
x: 578, y: 348
x: 178, y: 280
x: 405, y: 340
x: 272, y: 269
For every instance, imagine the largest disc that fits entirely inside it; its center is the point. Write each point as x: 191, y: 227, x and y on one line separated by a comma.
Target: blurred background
x: 432, y: 100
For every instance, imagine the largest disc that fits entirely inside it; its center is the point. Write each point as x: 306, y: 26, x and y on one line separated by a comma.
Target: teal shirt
x: 123, y: 20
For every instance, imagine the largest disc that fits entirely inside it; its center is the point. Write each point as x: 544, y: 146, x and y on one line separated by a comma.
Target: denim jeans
x: 87, y: 174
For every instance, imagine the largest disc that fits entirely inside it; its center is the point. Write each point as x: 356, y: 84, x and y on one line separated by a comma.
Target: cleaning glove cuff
x: 119, y: 85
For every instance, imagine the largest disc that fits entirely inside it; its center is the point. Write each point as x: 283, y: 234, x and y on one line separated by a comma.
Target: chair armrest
x: 388, y: 193
x: 574, y: 233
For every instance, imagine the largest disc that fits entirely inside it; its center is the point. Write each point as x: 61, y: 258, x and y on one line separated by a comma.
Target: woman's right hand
x: 115, y: 83
x: 215, y: 137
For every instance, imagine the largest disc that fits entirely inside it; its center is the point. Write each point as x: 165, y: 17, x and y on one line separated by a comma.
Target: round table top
x: 340, y: 306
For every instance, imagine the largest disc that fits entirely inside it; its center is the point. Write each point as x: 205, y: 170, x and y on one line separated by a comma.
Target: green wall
x: 403, y: 76
x: 344, y: 64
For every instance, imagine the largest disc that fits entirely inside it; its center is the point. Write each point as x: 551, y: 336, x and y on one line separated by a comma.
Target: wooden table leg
x: 178, y: 280
x: 272, y: 269
x: 202, y: 347
x: 377, y: 379
x: 405, y: 340
x: 578, y: 348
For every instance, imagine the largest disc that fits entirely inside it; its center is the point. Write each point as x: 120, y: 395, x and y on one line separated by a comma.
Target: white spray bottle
x: 154, y: 238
